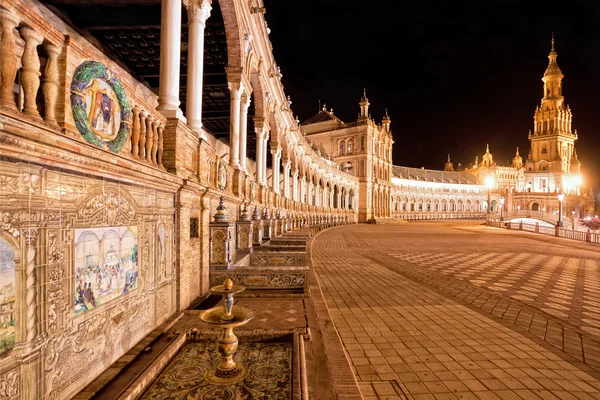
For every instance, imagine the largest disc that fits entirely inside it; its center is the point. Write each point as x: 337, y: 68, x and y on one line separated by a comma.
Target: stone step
x: 276, y: 258
x: 278, y: 248
x: 284, y: 241
x: 267, y: 277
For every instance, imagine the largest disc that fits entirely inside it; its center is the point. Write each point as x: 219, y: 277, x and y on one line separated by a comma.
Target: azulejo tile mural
x: 7, y: 297
x: 269, y: 374
x: 100, y: 106
x: 106, y: 265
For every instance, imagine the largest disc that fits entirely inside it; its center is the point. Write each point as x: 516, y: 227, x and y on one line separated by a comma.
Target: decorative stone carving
x: 222, y: 175
x: 9, y: 384
x: 105, y: 121
x: 107, y: 209
x: 55, y: 280
x: 31, y: 236
x: 31, y: 182
x: 30, y: 72
x: 7, y: 223
x: 50, y: 85
x: 9, y: 184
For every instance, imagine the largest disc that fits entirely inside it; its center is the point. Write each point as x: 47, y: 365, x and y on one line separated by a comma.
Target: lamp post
x: 561, y: 197
x: 501, y: 208
x: 489, y: 182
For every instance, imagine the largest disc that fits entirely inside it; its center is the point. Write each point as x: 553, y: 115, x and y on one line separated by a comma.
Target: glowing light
x: 561, y: 197
x: 577, y: 180
x: 501, y: 200
x: 489, y: 182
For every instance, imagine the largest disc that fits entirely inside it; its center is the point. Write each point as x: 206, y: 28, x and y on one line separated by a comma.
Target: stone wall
x: 51, y: 217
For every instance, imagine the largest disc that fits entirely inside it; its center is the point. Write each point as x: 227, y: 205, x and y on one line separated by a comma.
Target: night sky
x: 454, y: 75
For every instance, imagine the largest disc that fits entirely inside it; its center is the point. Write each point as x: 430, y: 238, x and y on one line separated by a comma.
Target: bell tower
x: 552, y: 140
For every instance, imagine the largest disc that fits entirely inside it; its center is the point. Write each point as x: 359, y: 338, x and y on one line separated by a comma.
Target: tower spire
x: 553, y: 41
x: 364, y: 105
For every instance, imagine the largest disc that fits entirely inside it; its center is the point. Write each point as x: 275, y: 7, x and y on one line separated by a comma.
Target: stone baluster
x: 143, y: 116
x: 135, y: 134
x: 10, y: 58
x: 31, y: 236
x: 155, y: 126
x: 50, y: 85
x: 149, y: 138
x: 30, y: 71
x: 160, y: 145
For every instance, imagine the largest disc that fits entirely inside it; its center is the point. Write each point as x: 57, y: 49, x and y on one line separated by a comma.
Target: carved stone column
x: 235, y: 90
x: 170, y: 54
x: 160, y: 130
x: 50, y: 85
x: 264, y: 158
x: 155, y: 126
x: 143, y: 116
x: 135, y: 132
x: 244, y: 233
x: 286, y: 178
x: 257, y: 228
x: 149, y: 138
x: 221, y: 232
x: 31, y: 236
x: 275, y: 166
x: 295, y: 184
x: 30, y: 72
x: 198, y: 12
x: 245, y: 104
x: 260, y: 135
x: 10, y: 60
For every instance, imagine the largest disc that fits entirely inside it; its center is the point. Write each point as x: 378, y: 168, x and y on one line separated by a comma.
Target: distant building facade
x: 364, y: 148
x: 552, y: 165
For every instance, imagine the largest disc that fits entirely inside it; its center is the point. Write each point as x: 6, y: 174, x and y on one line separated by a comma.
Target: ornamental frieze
x: 107, y: 209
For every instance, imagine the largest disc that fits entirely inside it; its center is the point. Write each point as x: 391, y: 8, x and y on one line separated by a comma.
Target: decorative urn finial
x: 221, y: 214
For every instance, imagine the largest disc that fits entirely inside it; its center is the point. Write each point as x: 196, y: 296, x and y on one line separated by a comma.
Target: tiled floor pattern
x: 407, y: 341
x: 565, y: 287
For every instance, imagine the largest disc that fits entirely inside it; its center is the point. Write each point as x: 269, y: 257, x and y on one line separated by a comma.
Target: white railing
x: 582, y: 236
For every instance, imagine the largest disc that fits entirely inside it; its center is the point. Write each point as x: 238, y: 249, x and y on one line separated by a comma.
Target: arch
x: 233, y: 33
x: 350, y: 146
x: 534, y: 206
x: 258, y: 94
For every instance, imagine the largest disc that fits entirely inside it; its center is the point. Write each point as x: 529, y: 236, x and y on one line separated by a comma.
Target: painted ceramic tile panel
x: 106, y: 265
x: 7, y: 297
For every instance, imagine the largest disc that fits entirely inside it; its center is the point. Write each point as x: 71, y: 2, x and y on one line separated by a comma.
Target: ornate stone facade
x: 107, y: 191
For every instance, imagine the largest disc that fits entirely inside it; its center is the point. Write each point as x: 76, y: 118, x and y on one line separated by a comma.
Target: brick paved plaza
x: 445, y: 310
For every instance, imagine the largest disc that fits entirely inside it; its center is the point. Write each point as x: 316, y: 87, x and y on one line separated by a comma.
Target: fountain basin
x: 240, y: 316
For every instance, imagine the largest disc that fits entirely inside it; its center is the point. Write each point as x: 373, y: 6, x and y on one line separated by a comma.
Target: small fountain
x: 227, y: 317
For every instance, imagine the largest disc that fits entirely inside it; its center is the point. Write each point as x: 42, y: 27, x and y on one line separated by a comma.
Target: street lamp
x: 561, y: 197
x: 501, y: 208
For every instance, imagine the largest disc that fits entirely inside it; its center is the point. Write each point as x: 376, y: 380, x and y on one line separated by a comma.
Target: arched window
x: 342, y: 148
x: 350, y: 146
